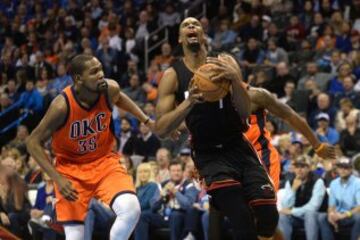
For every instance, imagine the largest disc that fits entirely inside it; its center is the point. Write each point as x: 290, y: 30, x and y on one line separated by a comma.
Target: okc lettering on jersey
x: 83, y: 128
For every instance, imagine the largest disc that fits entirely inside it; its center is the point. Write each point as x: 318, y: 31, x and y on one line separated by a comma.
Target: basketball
x: 213, y: 91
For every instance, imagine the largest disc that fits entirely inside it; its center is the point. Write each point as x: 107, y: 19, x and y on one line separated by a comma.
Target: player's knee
x: 267, y: 218
x: 127, y: 206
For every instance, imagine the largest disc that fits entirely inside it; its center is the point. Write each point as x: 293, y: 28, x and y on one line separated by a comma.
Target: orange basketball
x: 212, y: 91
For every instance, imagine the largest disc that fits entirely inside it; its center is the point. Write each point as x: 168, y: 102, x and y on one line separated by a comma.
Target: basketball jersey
x: 210, y: 123
x: 86, y: 134
x: 259, y: 136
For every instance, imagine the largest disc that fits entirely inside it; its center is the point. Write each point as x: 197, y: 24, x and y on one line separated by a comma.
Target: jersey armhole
x: 67, y: 110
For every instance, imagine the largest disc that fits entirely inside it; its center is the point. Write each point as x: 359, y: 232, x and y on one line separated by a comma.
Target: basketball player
x: 262, y: 101
x: 79, y: 122
x: 232, y: 172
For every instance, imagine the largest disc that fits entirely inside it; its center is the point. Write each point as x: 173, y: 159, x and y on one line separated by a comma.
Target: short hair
x: 77, y: 64
x: 177, y: 162
x: 346, y: 101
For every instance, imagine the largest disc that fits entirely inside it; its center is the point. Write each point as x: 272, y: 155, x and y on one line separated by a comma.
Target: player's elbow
x: 31, y: 142
x: 161, y: 131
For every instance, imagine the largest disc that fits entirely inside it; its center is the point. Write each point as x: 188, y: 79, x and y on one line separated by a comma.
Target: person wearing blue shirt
x: 344, y: 203
x: 324, y: 132
x: 304, y: 196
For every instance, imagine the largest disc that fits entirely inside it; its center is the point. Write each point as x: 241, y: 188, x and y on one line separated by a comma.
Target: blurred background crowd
x: 306, y: 52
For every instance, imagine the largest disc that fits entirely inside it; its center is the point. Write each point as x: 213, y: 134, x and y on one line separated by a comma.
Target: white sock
x: 127, y: 209
x: 74, y: 232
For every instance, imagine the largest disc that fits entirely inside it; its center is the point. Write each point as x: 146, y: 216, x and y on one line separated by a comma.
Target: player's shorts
x: 236, y: 163
x: 103, y: 179
x: 271, y: 160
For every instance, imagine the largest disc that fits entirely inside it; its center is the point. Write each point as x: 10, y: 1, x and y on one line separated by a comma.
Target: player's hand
x: 195, y: 96
x: 4, y: 219
x: 224, y: 68
x: 326, y: 151
x: 175, y: 135
x: 151, y: 124
x: 66, y: 189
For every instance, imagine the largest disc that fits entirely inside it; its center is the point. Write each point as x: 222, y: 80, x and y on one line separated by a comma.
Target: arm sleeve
x: 288, y: 199
x: 187, y: 199
x: 315, y: 201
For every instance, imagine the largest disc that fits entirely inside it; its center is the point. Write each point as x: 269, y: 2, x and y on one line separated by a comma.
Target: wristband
x: 147, y: 120
x: 321, y: 147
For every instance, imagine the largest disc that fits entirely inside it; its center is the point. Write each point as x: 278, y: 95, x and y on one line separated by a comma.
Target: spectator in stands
x: 289, y: 89
x: 163, y: 158
x: 39, y: 64
x: 154, y: 74
x: 324, y: 132
x: 14, y: 205
x: 150, y: 91
x: 203, y: 206
x: 252, y: 55
x: 134, y: 91
x: 252, y: 30
x: 275, y: 54
x: 343, y: 42
x: 177, y: 198
x: 143, y: 26
x: 346, y: 109
x: 108, y: 57
x: 277, y: 84
x: 19, y: 142
x: 131, y: 70
x: 336, y: 85
x: 323, y: 105
x: 349, y: 92
x: 312, y: 71
x: 126, y: 136
x: 303, y: 197
x: 60, y: 82
x: 146, y: 143
x: 11, y: 90
x: 147, y: 190
x: 33, y: 175
x: 344, y: 203
x: 43, y: 211
x: 169, y: 17
x: 224, y: 37
x: 350, y: 136
x: 165, y: 59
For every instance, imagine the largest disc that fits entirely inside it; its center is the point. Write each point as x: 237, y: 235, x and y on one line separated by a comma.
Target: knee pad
x: 267, y: 218
x: 127, y: 206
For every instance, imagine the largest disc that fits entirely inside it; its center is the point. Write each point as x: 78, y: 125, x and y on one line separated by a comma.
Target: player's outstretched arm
x: 122, y: 101
x: 53, y: 119
x: 266, y: 100
x: 168, y: 116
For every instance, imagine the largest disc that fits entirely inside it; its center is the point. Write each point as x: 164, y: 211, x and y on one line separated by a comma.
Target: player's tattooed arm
x: 53, y: 119
x: 264, y: 99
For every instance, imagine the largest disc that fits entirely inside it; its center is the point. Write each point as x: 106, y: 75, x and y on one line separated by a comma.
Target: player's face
x: 93, y: 77
x: 191, y: 34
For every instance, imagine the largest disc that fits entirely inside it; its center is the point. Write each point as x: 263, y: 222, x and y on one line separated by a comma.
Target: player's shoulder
x: 112, y: 83
x: 60, y: 103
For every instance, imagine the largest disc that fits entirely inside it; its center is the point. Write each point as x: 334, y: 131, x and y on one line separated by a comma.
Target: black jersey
x: 210, y: 123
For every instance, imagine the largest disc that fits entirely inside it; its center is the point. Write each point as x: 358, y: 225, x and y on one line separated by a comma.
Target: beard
x: 100, y: 88
x: 194, y: 47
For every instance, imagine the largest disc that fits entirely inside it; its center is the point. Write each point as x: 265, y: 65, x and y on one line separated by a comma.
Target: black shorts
x: 235, y: 163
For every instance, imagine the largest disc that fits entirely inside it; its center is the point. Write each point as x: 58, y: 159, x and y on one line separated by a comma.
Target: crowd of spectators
x: 306, y: 52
